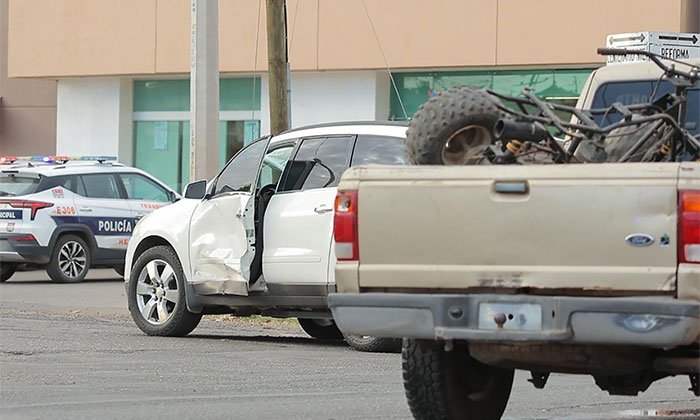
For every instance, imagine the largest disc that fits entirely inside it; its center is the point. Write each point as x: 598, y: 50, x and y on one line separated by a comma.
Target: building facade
x: 122, y: 67
x: 27, y: 106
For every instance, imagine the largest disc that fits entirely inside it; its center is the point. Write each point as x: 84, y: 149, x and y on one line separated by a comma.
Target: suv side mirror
x: 196, y: 190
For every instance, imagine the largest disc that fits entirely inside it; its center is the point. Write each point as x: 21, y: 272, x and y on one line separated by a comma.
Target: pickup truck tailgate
x: 593, y: 227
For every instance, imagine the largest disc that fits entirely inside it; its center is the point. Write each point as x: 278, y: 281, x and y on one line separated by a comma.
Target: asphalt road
x: 71, y: 351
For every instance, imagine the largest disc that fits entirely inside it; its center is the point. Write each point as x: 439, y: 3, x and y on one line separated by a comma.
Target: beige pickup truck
x: 588, y: 269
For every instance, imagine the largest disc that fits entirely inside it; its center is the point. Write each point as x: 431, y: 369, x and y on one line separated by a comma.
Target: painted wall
x: 112, y: 37
x: 27, y: 108
x: 321, y: 97
x: 94, y: 117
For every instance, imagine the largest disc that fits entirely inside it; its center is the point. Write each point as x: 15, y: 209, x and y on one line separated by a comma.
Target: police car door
x: 103, y: 209
x: 222, y: 227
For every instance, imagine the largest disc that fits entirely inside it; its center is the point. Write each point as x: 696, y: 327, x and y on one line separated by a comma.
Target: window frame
x: 212, y: 194
x: 357, y: 139
x: 295, y: 152
x: 120, y: 188
x: 120, y: 185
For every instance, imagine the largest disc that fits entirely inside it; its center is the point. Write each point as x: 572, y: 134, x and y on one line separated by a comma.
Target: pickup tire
x: 452, y: 128
x: 160, y: 294
x: 373, y: 344
x: 451, y: 385
x: 322, y: 329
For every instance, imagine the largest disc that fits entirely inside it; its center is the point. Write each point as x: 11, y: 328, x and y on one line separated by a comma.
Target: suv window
x: 69, y: 182
x: 273, y: 165
x: 241, y: 171
x: 319, y: 162
x: 138, y: 187
x: 99, y: 186
x: 17, y: 184
x: 379, y: 150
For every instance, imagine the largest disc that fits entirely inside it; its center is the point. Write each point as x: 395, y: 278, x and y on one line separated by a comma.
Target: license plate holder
x: 519, y: 316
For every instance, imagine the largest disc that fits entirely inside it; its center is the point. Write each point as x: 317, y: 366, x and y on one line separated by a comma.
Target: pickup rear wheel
x: 453, y: 128
x: 156, y: 294
x: 451, y: 385
x: 373, y: 344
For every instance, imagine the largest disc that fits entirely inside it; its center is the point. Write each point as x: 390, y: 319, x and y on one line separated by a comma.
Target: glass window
x: 99, y: 186
x: 629, y: 93
x: 68, y: 182
x: 16, y: 184
x: 273, y: 165
x: 319, y: 163
x: 379, y: 150
x: 240, y: 173
x: 138, y: 187
x: 415, y: 88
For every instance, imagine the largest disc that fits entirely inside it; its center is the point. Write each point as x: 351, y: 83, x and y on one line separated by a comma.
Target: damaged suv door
x: 222, y: 234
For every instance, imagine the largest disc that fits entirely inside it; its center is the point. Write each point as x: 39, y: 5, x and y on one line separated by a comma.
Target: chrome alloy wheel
x: 156, y: 292
x: 72, y: 259
x: 465, y: 146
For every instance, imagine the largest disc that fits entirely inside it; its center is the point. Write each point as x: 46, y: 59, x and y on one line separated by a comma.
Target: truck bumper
x: 661, y: 322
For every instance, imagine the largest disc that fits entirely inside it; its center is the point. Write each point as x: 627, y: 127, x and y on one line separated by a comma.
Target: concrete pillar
x: 204, y: 90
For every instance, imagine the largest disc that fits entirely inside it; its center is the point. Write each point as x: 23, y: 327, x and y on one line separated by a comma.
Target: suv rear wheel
x: 370, y: 344
x: 156, y: 294
x: 70, y: 260
x: 322, y: 329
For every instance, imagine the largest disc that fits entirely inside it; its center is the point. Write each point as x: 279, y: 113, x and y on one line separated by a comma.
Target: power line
x: 386, y: 63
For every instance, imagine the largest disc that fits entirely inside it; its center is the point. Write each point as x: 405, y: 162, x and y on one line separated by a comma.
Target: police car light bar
x: 55, y: 159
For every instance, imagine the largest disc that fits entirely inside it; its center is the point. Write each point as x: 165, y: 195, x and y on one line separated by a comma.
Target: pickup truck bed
x: 589, y: 269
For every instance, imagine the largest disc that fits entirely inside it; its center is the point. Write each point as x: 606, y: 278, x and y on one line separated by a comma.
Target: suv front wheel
x: 157, y: 294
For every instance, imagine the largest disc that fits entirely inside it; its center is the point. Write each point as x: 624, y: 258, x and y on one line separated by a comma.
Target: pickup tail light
x: 345, y: 226
x: 27, y: 204
x: 689, y: 227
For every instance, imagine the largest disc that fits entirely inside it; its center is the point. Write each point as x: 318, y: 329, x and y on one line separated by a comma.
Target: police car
x: 71, y: 214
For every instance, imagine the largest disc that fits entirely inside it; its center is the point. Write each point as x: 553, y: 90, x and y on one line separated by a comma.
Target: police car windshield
x: 15, y: 184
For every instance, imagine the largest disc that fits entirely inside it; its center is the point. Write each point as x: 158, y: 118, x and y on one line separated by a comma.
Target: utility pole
x: 204, y: 90
x: 690, y: 16
x: 277, y: 65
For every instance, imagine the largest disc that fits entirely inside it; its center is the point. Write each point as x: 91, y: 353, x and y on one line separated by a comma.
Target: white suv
x: 71, y: 215
x: 259, y: 237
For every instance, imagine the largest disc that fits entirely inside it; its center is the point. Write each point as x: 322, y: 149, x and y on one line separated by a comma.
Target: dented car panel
x: 216, y: 248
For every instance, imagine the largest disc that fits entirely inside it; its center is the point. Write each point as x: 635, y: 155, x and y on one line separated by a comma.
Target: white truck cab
x: 258, y: 238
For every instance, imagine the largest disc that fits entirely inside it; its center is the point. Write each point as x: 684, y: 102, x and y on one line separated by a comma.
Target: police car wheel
x: 70, y: 260
x: 7, y: 270
x: 157, y: 294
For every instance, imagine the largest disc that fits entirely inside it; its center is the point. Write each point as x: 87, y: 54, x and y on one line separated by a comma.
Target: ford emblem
x: 639, y: 239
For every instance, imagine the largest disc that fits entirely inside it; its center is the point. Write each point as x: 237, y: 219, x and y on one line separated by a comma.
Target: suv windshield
x: 638, y: 92
x: 16, y: 184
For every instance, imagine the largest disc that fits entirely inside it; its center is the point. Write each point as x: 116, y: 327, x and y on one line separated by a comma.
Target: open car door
x: 222, y: 232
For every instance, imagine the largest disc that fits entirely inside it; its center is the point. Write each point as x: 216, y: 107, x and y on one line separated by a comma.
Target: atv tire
x: 453, y: 128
